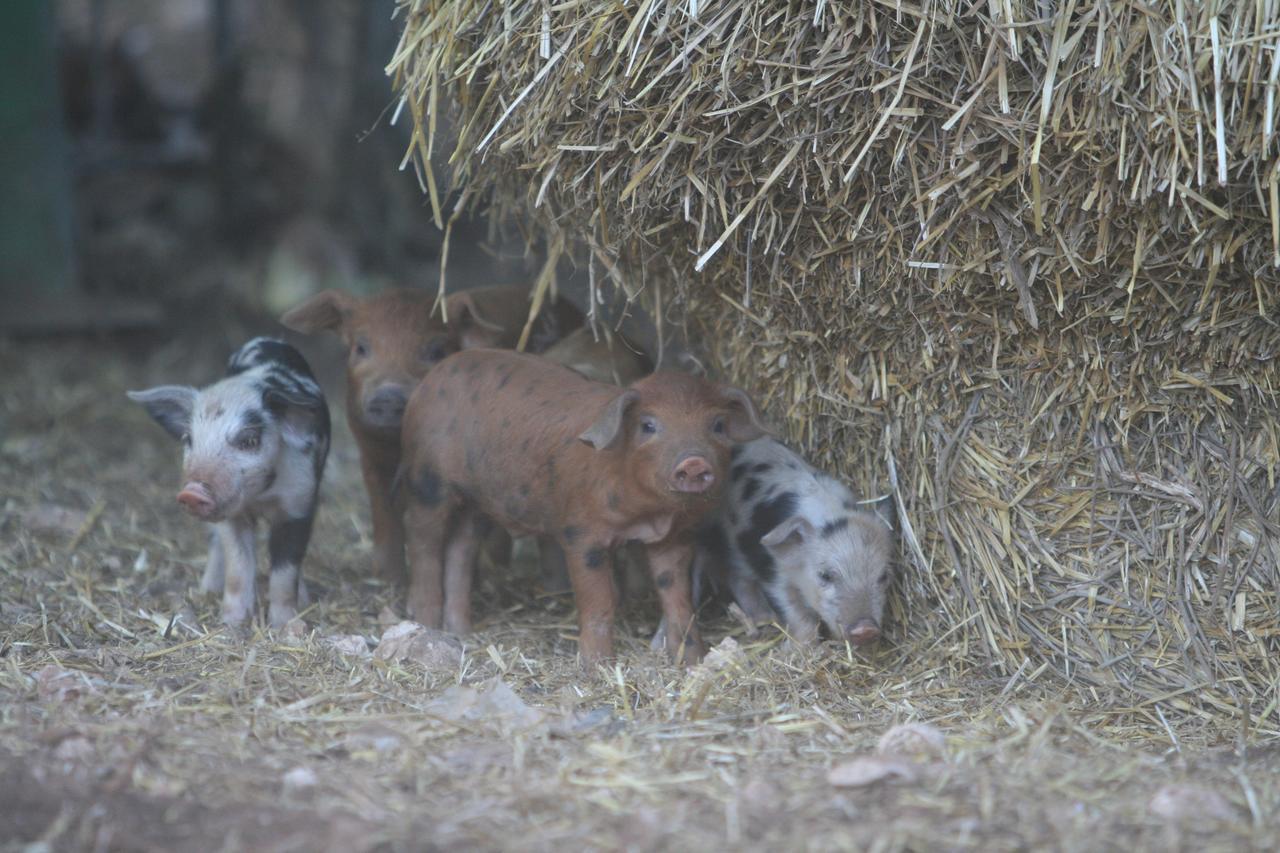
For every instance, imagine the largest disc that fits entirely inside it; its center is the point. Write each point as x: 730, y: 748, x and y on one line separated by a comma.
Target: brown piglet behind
x: 393, y: 340
x: 542, y: 450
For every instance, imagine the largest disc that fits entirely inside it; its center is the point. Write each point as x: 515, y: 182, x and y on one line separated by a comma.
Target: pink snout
x: 196, y: 499
x: 385, y: 408
x: 693, y: 475
x: 863, y: 633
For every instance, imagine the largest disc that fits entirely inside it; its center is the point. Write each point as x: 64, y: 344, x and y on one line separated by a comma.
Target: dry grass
x: 1014, y: 261
x: 127, y: 721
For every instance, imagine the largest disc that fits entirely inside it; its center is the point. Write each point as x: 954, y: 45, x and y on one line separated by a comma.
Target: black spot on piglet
x: 832, y: 527
x: 427, y: 488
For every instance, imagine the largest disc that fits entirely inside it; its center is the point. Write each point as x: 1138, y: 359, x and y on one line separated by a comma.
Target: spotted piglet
x: 254, y: 446
x: 791, y: 540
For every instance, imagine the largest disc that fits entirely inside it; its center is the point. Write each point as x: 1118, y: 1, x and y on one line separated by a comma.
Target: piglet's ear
x: 303, y: 418
x: 467, y: 316
x: 169, y: 405
x: 604, y: 432
x: 327, y: 311
x: 468, y: 324
x: 744, y: 420
x: 792, y: 533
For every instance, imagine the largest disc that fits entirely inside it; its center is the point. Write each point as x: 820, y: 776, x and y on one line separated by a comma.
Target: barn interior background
x: 1013, y: 262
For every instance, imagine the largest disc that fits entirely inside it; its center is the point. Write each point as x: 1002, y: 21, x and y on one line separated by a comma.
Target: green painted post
x: 36, y: 250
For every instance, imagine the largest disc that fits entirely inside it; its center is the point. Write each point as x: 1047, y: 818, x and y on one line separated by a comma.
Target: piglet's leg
x: 426, y: 519
x: 750, y: 597
x: 459, y: 565
x: 802, y: 623
x: 591, y: 576
x: 287, y: 546
x: 241, y: 563
x: 555, y: 571
x: 388, y: 524
x: 215, y: 567
x: 669, y: 564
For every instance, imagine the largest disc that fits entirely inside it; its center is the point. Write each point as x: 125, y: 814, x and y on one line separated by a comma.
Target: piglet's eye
x: 249, y: 440
x: 186, y: 439
x: 361, y: 349
x: 717, y: 426
x: 884, y: 578
x: 826, y: 576
x: 649, y: 425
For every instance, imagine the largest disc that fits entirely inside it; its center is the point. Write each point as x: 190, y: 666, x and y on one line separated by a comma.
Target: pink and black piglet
x: 254, y: 447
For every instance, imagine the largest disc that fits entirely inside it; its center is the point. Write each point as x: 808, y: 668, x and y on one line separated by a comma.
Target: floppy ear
x: 789, y: 534
x: 169, y: 405
x: 467, y: 316
x: 744, y: 420
x: 327, y: 311
x: 604, y: 431
x: 303, y: 418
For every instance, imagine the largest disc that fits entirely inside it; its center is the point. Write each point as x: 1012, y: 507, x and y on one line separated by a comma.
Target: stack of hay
x: 1016, y: 261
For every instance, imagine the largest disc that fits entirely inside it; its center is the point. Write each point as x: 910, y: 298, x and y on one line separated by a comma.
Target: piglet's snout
x: 196, y: 499
x: 386, y: 406
x: 693, y: 474
x: 864, y: 632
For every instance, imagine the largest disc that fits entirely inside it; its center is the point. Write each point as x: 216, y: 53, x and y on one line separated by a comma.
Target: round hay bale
x: 1018, y: 268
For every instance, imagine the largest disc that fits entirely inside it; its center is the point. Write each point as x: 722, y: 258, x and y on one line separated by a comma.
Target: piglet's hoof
x: 238, y: 631
x: 294, y: 629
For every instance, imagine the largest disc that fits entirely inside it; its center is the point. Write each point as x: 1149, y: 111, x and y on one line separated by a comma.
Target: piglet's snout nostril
x: 863, y: 633
x: 693, y: 475
x: 387, y: 404
x: 196, y: 498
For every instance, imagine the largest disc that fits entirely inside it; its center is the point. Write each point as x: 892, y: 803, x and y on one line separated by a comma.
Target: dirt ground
x: 130, y: 721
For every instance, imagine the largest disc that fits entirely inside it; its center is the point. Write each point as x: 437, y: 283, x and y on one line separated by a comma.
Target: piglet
x: 392, y: 340
x: 791, y: 540
x: 603, y: 356
x: 253, y: 446
x: 542, y: 450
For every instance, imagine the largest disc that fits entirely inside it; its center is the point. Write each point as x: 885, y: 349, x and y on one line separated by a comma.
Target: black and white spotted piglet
x: 254, y: 446
x: 790, y: 540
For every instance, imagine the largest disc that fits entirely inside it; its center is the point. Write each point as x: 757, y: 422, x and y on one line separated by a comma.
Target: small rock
x: 599, y: 722
x: 871, y: 769
x: 294, y: 629
x: 349, y: 644
x: 912, y: 740
x: 299, y: 780
x: 496, y: 702
x: 727, y: 653
x: 54, y: 518
x: 429, y: 647
x: 1190, y: 803
x: 61, y: 685
x: 74, y: 749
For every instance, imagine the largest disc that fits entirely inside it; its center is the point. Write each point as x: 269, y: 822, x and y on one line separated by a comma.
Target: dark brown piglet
x: 393, y: 339
x: 542, y: 450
